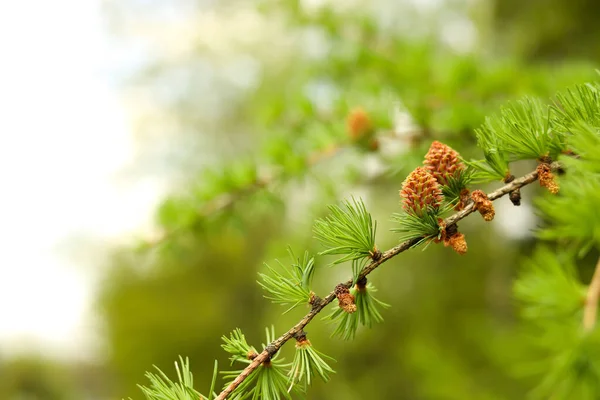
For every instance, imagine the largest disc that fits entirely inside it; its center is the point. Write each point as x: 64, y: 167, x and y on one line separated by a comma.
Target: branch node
x: 300, y: 337
x: 314, y: 301
x: 361, y: 284
x: 271, y: 349
x: 375, y: 254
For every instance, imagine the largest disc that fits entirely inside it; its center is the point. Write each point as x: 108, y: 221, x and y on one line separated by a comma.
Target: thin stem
x: 590, y: 310
x: 394, y: 251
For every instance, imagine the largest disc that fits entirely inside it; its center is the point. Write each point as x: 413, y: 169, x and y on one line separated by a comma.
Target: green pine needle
x: 495, y: 165
x: 548, y: 288
x: 571, y: 369
x: 523, y: 129
x: 425, y: 227
x: 267, y: 382
x: 163, y: 388
x: 578, y: 105
x: 237, y: 346
x: 291, y: 287
x: 308, y: 363
x: 349, y: 231
x: 366, y: 314
x: 573, y: 213
x: 456, y: 184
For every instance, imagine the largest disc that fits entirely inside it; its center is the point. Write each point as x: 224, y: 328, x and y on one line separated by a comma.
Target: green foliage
x: 425, y: 227
x: 574, y: 212
x: 456, y: 183
x: 577, y: 106
x: 524, y: 131
x: 584, y: 144
x: 294, y: 288
x: 552, y: 300
x: 548, y: 288
x: 574, y: 366
x: 579, y: 225
x: 237, y: 346
x: 163, y: 388
x: 307, y: 363
x: 367, y: 313
x: 348, y: 231
x: 495, y: 166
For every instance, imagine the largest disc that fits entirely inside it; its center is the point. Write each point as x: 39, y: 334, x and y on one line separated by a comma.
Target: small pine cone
x: 483, y: 205
x: 301, y: 339
x: 361, y: 284
x: 546, y: 177
x: 358, y: 124
x: 345, y: 299
x: 457, y: 242
x: 420, y: 191
x: 442, y: 162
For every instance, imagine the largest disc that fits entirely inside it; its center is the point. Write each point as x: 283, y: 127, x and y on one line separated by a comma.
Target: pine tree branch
x: 272, y: 348
x: 590, y: 310
x: 228, y: 200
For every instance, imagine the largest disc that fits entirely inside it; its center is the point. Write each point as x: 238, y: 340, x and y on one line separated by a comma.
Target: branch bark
x: 272, y: 348
x: 590, y: 309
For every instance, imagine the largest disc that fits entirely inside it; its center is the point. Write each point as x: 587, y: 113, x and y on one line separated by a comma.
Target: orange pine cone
x: 442, y: 162
x: 420, y: 191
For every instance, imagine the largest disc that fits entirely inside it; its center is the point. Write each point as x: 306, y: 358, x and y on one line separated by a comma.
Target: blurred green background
x: 227, y: 94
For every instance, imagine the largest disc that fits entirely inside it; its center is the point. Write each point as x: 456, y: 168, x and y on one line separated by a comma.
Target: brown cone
x: 457, y: 242
x: 483, y: 205
x: 546, y: 177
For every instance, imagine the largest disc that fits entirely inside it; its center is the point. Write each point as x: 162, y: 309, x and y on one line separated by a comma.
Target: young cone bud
x: 442, y: 162
x: 515, y: 197
x: 483, y: 205
x: 420, y: 191
x: 546, y: 177
x: 358, y: 124
x: 345, y: 299
x: 301, y: 340
x: 361, y: 284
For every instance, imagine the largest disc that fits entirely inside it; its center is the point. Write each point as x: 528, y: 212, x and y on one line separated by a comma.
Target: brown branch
x: 272, y: 348
x: 590, y: 310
